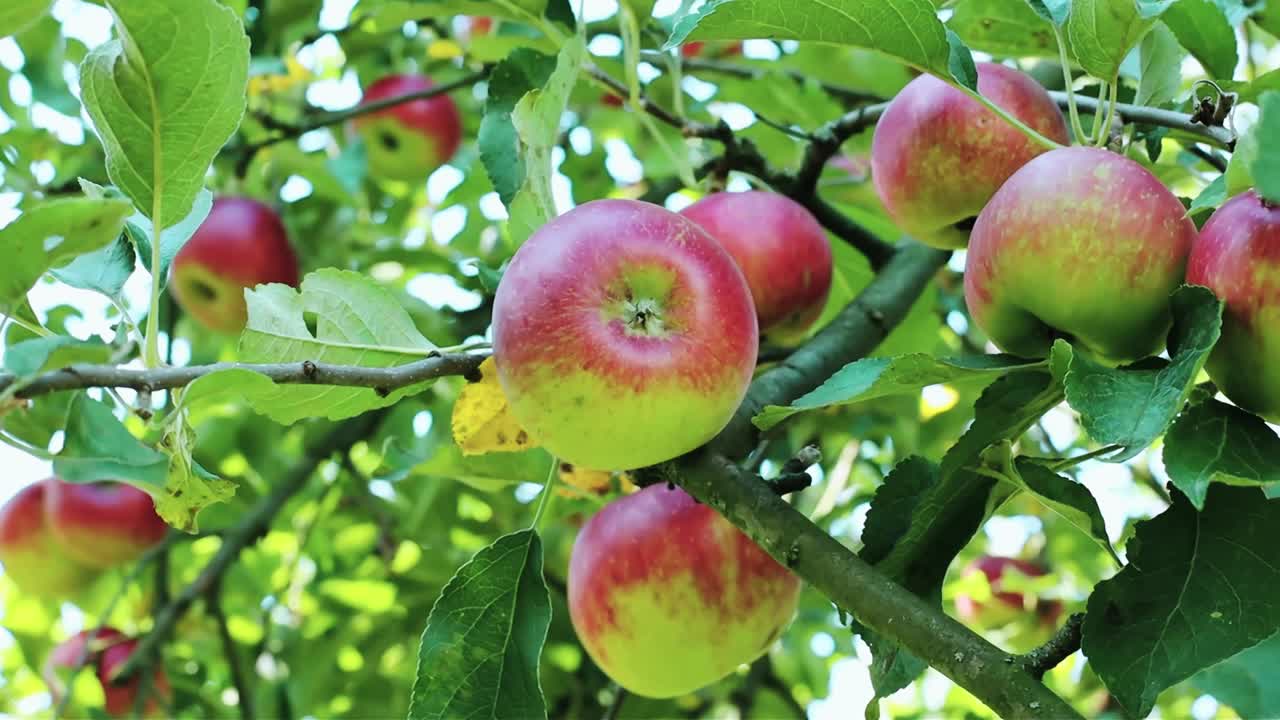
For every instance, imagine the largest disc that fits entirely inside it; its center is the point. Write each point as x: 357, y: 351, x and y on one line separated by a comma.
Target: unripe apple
x: 667, y: 597
x: 1004, y: 606
x: 121, y: 698
x: 410, y: 140
x: 623, y: 335
x: 241, y: 244
x: 1081, y: 244
x: 102, y: 525
x: 781, y: 249
x: 938, y: 155
x: 1238, y: 257
x: 31, y: 554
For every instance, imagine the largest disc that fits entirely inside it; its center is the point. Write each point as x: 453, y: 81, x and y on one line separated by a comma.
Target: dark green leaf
x: 1200, y: 587
x: 1213, y: 441
x: 1246, y: 681
x: 894, y: 506
x: 1132, y: 406
x: 479, y: 653
x: 1203, y: 30
x: 523, y: 71
x: 872, y: 378
x: 1069, y: 499
x: 1213, y: 195
x: 1161, y: 60
x: 97, y: 447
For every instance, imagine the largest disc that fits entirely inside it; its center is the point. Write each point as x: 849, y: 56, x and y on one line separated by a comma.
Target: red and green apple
x: 410, y: 140
x: 1004, y: 606
x: 624, y: 335
x: 102, y: 525
x: 30, y: 552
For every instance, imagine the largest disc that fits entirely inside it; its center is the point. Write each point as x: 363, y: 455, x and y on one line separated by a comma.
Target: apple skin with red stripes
x: 668, y: 597
x: 33, y: 557
x: 410, y: 140
x: 103, y: 525
x: 624, y: 335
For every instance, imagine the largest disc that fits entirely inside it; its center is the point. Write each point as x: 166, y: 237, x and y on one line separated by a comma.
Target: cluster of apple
x: 1075, y: 243
x: 56, y: 537
x: 626, y: 335
x: 243, y: 242
x: 104, y: 652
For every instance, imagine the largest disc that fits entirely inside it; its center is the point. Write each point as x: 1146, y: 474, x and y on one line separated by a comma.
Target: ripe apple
x: 410, y: 140
x: 102, y: 525
x: 1003, y: 607
x: 241, y: 244
x: 623, y: 335
x: 667, y: 597
x: 84, y: 649
x: 30, y: 552
x: 938, y: 155
x: 781, y: 249
x: 122, y: 697
x: 1238, y: 257
x: 1082, y: 244
x: 695, y: 49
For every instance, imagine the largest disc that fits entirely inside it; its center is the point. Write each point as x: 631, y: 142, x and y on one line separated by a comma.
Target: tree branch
x: 76, y: 377
x: 1060, y: 647
x: 244, y: 694
x: 711, y: 476
x: 255, y: 524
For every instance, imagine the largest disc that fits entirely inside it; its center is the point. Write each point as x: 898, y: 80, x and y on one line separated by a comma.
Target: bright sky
x: 850, y: 687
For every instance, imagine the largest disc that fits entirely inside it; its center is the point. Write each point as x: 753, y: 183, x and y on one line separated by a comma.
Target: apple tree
x: 635, y: 359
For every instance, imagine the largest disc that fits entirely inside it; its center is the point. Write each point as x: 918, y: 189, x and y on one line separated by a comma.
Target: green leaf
x: 172, y: 238
x: 905, y: 29
x: 32, y: 357
x: 1199, y: 588
x: 1132, y: 406
x: 52, y: 233
x: 1069, y: 499
x: 165, y: 97
x: 1008, y: 28
x: 536, y: 119
x: 17, y: 15
x: 872, y: 378
x: 1239, y: 174
x: 1265, y: 168
x: 489, y: 472
x: 1055, y: 11
x: 357, y: 321
x: 894, y: 506
x: 1161, y: 61
x: 1204, y: 31
x: 98, y: 447
x: 1213, y: 195
x: 387, y: 16
x: 480, y: 650
x: 105, y: 270
x: 1102, y: 32
x: 522, y: 71
x: 1216, y: 442
x: 1246, y: 681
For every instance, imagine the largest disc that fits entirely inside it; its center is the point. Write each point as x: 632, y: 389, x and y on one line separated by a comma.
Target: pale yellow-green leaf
x: 16, y: 15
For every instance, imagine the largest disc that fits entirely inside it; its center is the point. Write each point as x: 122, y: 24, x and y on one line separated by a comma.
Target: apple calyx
x: 644, y: 318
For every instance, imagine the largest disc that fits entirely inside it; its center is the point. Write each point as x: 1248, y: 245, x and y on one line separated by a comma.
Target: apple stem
x: 1072, y: 108
x: 1104, y: 130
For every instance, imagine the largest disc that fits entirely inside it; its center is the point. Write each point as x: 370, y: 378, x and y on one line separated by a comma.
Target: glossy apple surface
x: 103, y: 525
x: 938, y: 155
x: 410, y: 140
x: 1081, y: 244
x: 623, y: 335
x: 32, y: 556
x: 667, y: 596
x: 1237, y: 256
x: 241, y: 244
x: 782, y: 251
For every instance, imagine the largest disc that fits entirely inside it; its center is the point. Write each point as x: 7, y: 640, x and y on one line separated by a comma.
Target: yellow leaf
x: 482, y: 422
x: 444, y: 50
x: 595, y: 482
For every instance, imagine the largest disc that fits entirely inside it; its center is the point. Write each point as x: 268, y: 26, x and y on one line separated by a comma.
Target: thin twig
x: 76, y: 377
x: 244, y: 693
x: 1060, y: 647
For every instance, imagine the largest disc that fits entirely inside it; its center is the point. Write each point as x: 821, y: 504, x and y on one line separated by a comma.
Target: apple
x: 31, y: 553
x: 1081, y: 244
x: 121, y: 698
x: 938, y: 155
x: 695, y: 49
x: 102, y: 525
x: 82, y: 650
x: 780, y: 248
x: 241, y: 244
x: 1004, y: 606
x: 410, y: 140
x: 667, y: 597
x: 623, y: 334
x: 1237, y: 256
